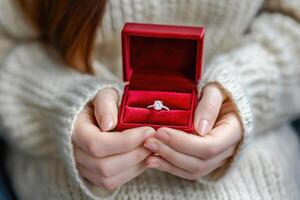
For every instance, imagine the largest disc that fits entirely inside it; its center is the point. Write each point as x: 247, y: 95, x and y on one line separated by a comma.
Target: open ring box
x: 160, y: 62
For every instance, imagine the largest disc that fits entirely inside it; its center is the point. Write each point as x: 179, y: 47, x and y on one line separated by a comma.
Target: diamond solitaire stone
x: 158, y: 105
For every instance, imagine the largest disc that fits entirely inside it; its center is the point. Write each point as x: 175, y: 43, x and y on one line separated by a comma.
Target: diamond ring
x: 158, y: 105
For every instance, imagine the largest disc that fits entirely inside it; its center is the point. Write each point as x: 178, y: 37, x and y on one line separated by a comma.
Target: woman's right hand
x: 108, y: 159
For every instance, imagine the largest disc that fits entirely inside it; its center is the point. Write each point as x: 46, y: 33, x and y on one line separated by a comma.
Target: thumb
x: 106, y: 109
x: 208, y: 108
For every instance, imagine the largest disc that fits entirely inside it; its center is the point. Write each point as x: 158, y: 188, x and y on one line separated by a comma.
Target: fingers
x: 189, y: 163
x: 111, y: 183
x: 163, y: 165
x: 106, y: 109
x: 222, y: 137
x: 113, y: 165
x: 208, y: 109
x: 100, y: 145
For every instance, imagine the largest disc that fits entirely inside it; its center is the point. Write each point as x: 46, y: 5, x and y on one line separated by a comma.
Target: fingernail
x: 151, y: 146
x: 148, y: 133
x: 162, y: 135
x: 203, y: 127
x: 107, y: 122
x: 153, y: 165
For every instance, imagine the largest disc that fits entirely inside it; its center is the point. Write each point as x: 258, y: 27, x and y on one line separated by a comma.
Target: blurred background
x: 6, y: 192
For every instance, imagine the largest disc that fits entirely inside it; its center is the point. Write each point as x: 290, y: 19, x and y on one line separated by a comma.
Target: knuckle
x: 76, y: 155
x: 109, y: 184
x: 166, y: 167
x: 78, y: 131
x: 227, y: 124
x: 211, y: 86
x: 214, y: 90
x: 199, y: 168
x: 212, y: 151
x: 167, y: 154
x: 170, y: 156
x: 103, y: 169
x: 192, y: 177
x: 101, y: 93
x: 94, y: 149
x: 212, y: 108
x: 231, y: 151
x: 108, y: 94
x: 75, y: 131
x: 140, y: 155
x: 126, y: 144
x: 204, y: 173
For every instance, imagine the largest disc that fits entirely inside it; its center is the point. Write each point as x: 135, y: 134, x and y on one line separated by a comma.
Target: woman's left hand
x: 191, y: 156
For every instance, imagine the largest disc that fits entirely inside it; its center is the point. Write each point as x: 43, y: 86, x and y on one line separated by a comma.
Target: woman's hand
x: 108, y: 160
x: 192, y: 156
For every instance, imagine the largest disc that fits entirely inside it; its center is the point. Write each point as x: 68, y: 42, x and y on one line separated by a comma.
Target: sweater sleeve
x: 39, y: 101
x: 261, y: 76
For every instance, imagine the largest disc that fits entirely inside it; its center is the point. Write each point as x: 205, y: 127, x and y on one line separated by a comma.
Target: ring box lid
x: 162, y: 53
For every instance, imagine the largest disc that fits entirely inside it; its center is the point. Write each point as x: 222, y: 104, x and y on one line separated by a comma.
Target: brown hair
x: 69, y: 26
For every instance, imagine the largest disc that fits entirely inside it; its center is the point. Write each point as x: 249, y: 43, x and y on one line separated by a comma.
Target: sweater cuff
x: 225, y: 76
x: 71, y: 103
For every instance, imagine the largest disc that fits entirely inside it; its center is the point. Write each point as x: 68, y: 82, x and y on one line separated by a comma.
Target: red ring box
x: 160, y: 62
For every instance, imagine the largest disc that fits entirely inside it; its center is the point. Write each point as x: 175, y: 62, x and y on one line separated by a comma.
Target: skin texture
x: 110, y: 159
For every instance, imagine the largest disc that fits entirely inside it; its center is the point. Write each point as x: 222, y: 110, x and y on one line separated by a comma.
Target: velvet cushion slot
x: 173, y: 100
x: 163, y: 117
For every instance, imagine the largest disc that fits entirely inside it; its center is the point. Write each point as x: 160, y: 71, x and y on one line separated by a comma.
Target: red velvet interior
x: 173, y: 100
x: 163, y: 72
x: 155, y: 56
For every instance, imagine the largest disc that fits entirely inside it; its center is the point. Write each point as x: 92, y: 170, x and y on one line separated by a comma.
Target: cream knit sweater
x: 254, y: 57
